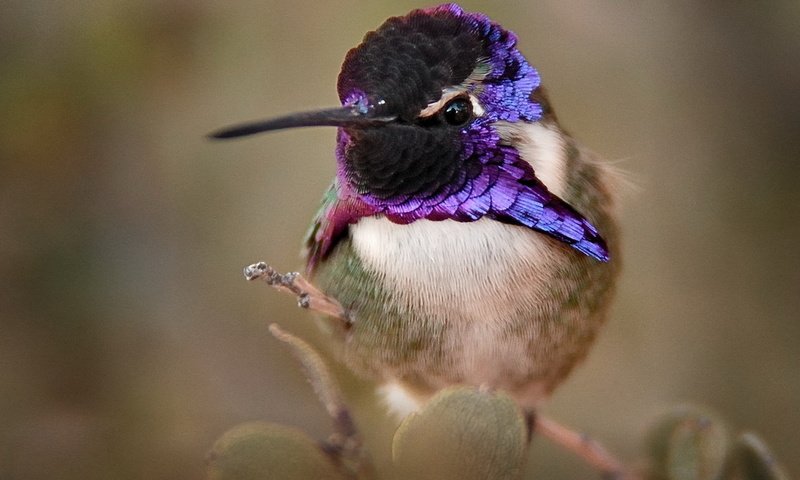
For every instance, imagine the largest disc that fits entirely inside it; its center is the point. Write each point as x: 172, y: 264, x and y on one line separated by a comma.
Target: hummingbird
x: 472, y: 240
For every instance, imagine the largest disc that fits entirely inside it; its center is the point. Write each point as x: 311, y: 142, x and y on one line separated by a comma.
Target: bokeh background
x: 129, y: 340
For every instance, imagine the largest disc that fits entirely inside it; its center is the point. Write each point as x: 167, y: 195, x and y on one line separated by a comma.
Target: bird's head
x: 422, y: 96
x: 446, y: 79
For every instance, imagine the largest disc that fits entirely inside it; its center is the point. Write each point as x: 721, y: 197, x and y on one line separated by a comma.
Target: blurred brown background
x: 129, y: 340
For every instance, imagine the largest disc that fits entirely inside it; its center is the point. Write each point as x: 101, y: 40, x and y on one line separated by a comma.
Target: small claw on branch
x: 308, y: 296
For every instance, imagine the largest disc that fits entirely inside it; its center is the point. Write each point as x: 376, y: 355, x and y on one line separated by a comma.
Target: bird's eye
x: 457, y: 111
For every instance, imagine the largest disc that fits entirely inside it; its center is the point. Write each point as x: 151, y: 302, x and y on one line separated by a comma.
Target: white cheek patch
x: 543, y: 147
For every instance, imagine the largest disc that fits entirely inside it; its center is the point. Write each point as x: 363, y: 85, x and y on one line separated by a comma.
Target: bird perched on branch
x: 467, y: 237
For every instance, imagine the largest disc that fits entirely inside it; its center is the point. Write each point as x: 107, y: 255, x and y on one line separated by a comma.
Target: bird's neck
x: 546, y: 147
x: 567, y: 169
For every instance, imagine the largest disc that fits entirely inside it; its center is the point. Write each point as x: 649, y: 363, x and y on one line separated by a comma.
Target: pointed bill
x: 355, y: 115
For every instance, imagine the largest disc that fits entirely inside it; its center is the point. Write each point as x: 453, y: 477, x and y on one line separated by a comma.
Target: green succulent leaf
x: 462, y: 434
x: 751, y: 459
x: 687, y: 444
x: 260, y: 450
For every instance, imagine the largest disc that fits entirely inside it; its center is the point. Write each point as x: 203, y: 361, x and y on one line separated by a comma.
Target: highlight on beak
x: 333, y: 117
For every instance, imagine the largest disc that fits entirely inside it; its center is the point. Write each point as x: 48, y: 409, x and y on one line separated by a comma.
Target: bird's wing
x: 336, y: 212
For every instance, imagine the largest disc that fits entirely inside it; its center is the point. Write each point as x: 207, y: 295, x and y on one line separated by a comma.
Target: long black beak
x: 333, y: 117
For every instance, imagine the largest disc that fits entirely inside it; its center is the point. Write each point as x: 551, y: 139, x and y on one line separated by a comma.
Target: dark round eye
x: 457, y: 111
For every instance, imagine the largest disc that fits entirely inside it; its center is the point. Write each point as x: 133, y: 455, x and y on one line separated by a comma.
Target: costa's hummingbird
x: 470, y: 238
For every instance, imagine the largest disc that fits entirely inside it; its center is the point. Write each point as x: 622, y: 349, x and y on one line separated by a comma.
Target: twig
x: 308, y: 296
x: 345, y: 443
x: 585, y: 447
